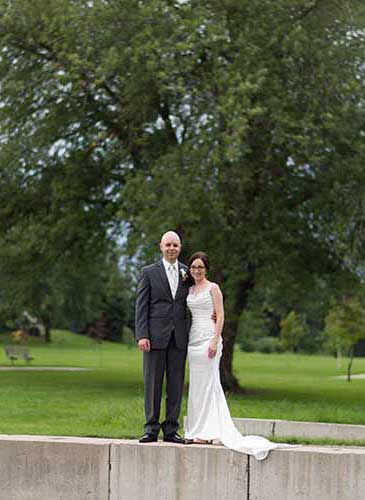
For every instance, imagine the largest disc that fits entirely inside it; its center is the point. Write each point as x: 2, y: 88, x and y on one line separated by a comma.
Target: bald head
x: 170, y: 246
x: 172, y: 235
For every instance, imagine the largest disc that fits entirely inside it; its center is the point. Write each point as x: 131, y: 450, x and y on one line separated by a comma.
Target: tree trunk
x: 46, y: 320
x: 349, y: 366
x: 338, y: 358
x: 229, y: 381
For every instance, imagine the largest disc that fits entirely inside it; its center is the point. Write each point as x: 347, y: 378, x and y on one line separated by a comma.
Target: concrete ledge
x: 40, y: 468
x: 309, y: 473
x: 52, y: 468
x: 287, y: 428
x: 173, y: 472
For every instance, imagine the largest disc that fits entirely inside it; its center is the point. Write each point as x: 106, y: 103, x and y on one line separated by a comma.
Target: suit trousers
x: 156, y: 364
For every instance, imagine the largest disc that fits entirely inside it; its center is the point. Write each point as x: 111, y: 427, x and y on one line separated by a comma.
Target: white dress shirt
x: 172, y: 272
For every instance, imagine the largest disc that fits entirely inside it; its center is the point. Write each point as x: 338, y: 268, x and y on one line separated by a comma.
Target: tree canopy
x: 239, y: 123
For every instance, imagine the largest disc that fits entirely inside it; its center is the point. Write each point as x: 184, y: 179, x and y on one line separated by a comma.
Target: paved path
x: 43, y: 369
x: 344, y: 377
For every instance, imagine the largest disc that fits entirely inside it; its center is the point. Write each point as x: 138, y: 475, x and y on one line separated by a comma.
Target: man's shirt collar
x: 167, y: 265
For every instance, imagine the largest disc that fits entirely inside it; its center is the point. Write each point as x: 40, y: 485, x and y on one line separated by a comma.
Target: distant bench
x: 14, y: 352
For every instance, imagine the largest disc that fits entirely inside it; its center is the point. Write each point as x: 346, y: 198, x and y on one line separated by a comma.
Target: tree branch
x: 165, y: 113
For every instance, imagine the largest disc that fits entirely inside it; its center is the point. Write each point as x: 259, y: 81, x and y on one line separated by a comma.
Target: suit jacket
x: 158, y: 315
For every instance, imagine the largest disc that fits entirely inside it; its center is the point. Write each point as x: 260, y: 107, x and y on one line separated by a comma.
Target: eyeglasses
x: 197, y: 267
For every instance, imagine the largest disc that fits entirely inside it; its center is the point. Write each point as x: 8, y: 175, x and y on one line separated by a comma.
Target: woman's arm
x: 219, y: 312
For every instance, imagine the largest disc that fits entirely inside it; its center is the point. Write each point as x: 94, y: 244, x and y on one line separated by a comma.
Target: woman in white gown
x: 208, y: 417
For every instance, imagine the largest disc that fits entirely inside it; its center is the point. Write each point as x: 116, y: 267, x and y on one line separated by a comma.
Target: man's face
x: 170, y: 247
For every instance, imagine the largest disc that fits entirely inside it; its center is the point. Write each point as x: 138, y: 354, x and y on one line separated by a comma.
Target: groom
x: 162, y: 335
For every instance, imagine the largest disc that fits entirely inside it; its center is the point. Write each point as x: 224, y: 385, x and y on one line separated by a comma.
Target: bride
x: 208, y: 418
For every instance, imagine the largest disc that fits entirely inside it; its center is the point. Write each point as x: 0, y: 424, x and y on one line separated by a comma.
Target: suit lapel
x: 163, y: 276
x: 179, y: 286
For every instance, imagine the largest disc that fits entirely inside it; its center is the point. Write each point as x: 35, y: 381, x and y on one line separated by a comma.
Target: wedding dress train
x: 208, y: 416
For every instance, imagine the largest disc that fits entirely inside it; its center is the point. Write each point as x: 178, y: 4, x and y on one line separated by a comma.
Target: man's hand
x: 214, y: 317
x: 212, y: 349
x: 144, y: 345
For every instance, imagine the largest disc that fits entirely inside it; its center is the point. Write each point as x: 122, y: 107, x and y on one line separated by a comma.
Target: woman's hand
x: 212, y: 349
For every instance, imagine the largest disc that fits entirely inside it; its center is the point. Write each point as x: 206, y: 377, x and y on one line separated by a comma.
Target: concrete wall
x: 287, y: 428
x: 38, y: 468
x: 309, y: 473
x: 173, y: 472
x: 41, y: 468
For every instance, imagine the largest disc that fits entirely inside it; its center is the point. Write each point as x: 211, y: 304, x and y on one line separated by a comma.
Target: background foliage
x: 238, y: 123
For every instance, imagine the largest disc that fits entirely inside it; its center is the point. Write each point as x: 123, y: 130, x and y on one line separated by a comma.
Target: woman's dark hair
x: 202, y: 256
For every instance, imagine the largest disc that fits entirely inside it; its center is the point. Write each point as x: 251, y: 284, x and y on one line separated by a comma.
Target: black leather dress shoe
x: 174, y: 438
x: 148, y: 438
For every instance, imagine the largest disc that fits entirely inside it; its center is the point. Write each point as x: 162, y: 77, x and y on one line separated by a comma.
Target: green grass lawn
x: 108, y: 400
x: 298, y: 387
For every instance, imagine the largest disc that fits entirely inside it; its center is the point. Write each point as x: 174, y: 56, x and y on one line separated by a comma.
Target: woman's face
x: 198, y: 270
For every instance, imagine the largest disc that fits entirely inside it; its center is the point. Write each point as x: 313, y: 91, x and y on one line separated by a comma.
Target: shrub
x: 268, y: 345
x: 128, y: 336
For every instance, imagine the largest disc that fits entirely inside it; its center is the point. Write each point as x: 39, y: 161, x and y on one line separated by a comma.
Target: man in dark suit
x: 162, y: 334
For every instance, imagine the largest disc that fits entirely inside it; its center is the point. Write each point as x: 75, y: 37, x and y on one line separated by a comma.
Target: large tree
x: 237, y: 122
